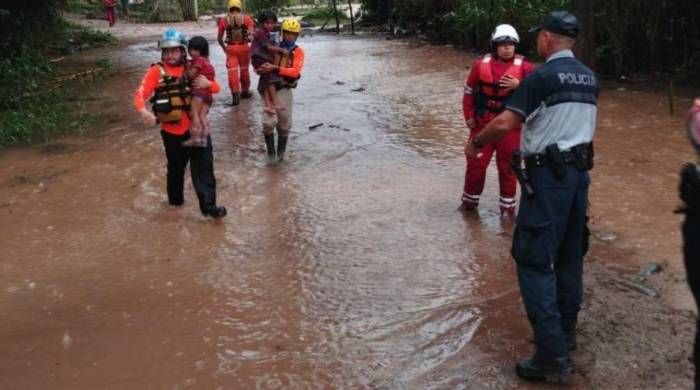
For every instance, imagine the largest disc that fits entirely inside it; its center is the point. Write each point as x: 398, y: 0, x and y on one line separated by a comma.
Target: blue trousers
x: 548, y: 246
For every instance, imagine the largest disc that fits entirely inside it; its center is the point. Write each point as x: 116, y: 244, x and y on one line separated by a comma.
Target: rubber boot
x: 281, y: 148
x: 536, y: 369
x: 246, y: 95
x: 215, y: 212
x: 270, y: 145
x: 235, y: 99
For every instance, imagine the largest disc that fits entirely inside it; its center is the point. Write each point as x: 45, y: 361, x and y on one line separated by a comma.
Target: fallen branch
x: 79, y: 74
x: 639, y: 287
x: 59, y: 82
x: 248, y: 148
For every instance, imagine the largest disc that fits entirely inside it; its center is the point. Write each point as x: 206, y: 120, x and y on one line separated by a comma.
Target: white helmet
x: 505, y: 33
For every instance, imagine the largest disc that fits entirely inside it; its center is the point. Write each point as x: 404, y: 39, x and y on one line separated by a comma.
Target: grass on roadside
x: 39, y: 104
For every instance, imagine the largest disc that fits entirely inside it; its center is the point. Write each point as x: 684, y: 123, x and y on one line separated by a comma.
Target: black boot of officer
x: 235, y: 99
x: 270, y: 146
x: 536, y: 369
x: 281, y: 148
x: 215, y: 212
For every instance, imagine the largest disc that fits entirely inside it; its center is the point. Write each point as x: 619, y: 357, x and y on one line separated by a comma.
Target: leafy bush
x: 630, y: 35
x: 323, y: 14
x: 257, y: 6
x: 36, y: 105
x: 70, y: 38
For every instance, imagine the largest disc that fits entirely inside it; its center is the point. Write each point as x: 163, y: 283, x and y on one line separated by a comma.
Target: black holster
x: 521, y: 174
x: 556, y: 161
x: 583, y: 156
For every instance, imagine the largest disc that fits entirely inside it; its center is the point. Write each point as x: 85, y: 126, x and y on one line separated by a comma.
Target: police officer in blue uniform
x: 558, y: 105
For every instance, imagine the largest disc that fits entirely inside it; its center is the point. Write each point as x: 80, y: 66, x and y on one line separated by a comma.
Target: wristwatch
x: 477, y: 143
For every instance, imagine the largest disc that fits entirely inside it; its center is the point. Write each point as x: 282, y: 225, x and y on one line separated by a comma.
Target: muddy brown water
x: 348, y: 266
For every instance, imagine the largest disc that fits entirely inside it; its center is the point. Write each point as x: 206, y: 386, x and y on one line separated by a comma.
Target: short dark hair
x: 200, y: 44
x: 267, y: 15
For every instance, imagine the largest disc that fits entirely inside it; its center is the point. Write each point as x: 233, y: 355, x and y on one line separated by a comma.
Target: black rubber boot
x: 270, y: 145
x: 246, y: 95
x: 554, y: 370
x: 235, y: 99
x: 215, y: 212
x: 281, y: 148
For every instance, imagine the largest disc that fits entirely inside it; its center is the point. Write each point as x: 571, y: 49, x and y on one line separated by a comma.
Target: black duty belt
x: 541, y: 160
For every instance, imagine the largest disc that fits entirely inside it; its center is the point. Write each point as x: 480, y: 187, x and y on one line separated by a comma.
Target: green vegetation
x: 626, y: 36
x: 322, y: 14
x: 84, y: 6
x: 38, y: 102
x: 256, y: 6
x: 211, y: 7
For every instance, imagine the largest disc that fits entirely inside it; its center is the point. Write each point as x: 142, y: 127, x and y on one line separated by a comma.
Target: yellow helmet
x: 235, y: 4
x: 291, y: 25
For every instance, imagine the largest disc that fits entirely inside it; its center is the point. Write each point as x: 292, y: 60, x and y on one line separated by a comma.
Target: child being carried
x: 202, y: 98
x: 263, y: 50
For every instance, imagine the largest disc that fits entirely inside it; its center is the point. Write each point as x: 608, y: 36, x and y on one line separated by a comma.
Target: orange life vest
x: 489, y: 95
x: 286, y: 61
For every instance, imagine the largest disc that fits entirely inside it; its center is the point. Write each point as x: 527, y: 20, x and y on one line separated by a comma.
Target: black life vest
x: 171, y: 98
x: 236, y: 30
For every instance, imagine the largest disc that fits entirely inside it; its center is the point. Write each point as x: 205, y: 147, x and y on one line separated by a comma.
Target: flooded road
x: 348, y: 266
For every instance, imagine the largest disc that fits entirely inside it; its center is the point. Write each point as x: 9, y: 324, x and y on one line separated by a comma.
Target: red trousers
x: 111, y: 15
x: 476, y: 170
x: 237, y: 63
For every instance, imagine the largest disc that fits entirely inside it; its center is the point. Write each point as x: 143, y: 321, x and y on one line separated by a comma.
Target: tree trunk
x: 390, y: 11
x: 586, y: 43
x: 352, y: 18
x: 189, y: 9
x: 337, y: 17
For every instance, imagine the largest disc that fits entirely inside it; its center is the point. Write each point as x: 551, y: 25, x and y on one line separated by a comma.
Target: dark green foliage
x: 36, y: 105
x: 21, y: 73
x: 323, y: 13
x: 256, y: 6
x: 26, y: 22
x: 632, y: 35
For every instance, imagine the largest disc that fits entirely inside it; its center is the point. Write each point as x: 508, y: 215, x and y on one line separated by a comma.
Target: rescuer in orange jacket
x: 235, y: 33
x: 288, y: 68
x: 169, y: 90
x: 492, y: 79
